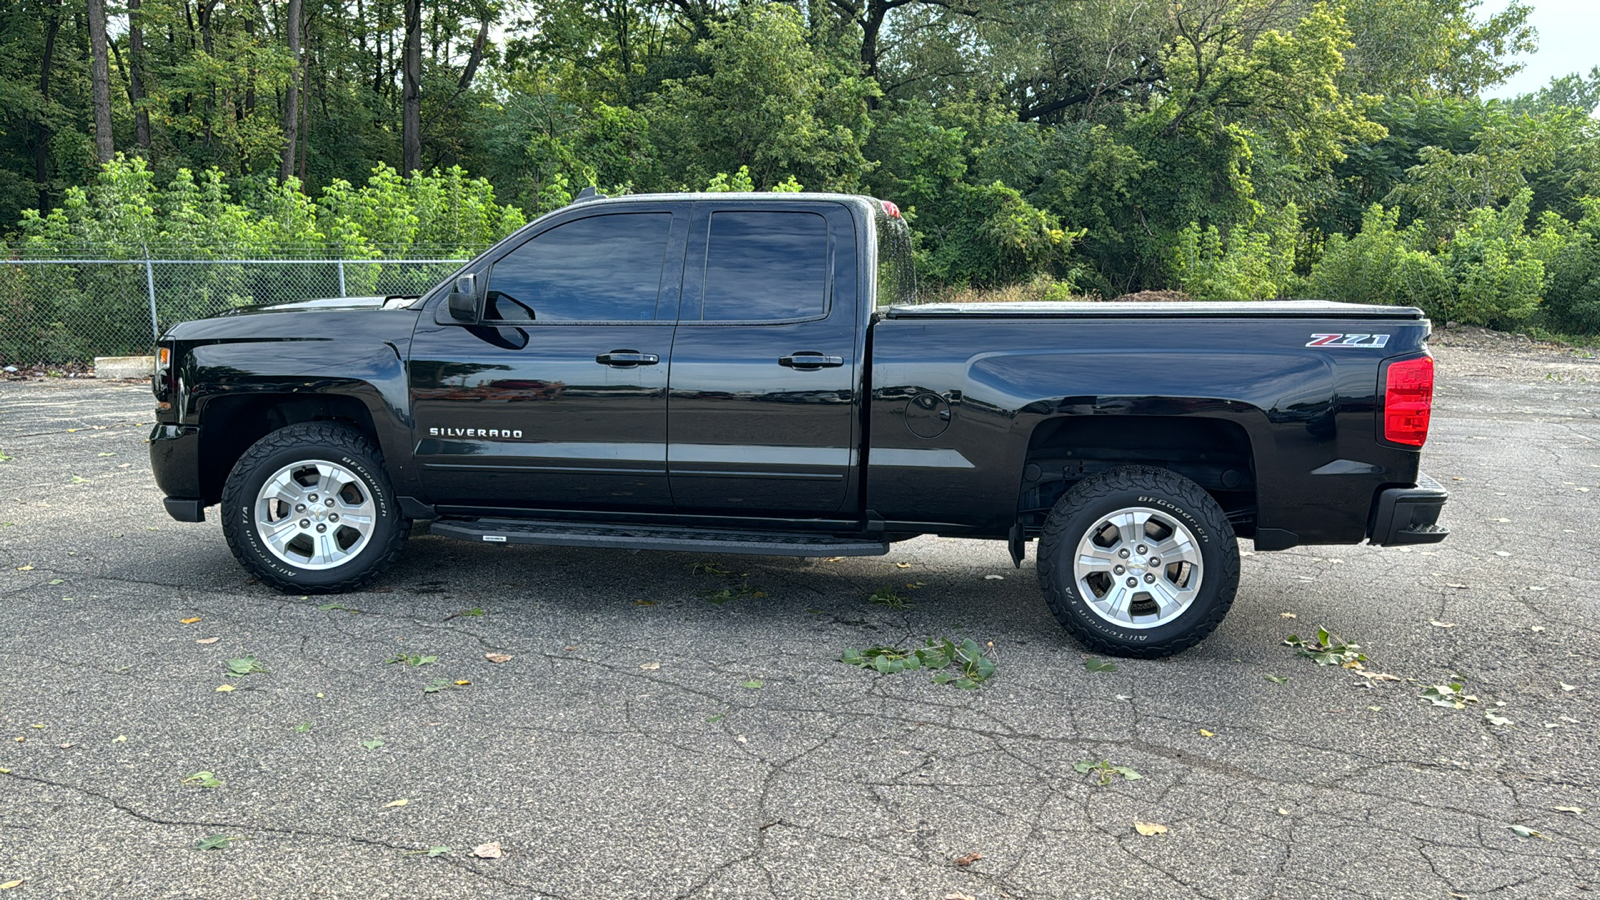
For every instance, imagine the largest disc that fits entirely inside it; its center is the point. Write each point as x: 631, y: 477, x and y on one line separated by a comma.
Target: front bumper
x: 1408, y: 515
x: 175, y: 462
x: 184, y: 510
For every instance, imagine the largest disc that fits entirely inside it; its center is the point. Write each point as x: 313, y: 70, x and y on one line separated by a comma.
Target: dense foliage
x: 1229, y: 149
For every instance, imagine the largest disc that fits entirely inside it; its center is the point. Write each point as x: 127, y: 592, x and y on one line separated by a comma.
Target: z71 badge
x: 1348, y: 340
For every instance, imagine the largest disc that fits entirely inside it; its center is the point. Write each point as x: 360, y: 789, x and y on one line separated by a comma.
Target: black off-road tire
x: 1170, y: 495
x: 330, y: 442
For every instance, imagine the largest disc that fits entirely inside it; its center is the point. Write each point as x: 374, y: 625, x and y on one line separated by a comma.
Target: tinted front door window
x: 599, y: 269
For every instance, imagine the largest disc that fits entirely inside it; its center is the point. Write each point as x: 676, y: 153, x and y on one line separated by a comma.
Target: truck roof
x: 757, y: 196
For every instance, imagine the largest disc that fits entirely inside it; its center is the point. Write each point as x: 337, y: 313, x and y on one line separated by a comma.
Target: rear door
x: 764, y: 385
x: 557, y: 399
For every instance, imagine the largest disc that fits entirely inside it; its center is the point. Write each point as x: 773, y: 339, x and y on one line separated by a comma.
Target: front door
x: 557, y: 399
x: 764, y: 383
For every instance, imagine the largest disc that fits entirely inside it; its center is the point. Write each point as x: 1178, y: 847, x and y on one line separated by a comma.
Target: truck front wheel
x: 1139, y: 562
x: 308, y: 509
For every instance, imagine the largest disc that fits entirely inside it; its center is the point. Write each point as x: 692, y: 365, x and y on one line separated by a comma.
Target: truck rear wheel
x: 308, y: 509
x: 1139, y: 562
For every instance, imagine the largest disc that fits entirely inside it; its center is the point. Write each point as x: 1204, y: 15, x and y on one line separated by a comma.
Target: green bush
x: 1246, y: 264
x: 1488, y: 273
x: 1379, y: 265
x: 988, y: 236
x: 1572, y: 270
x: 1493, y: 265
x: 124, y: 211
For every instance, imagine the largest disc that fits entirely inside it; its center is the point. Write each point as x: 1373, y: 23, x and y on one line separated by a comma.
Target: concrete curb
x: 112, y: 368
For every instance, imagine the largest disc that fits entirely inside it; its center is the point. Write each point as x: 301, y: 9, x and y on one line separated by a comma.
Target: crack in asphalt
x: 127, y: 810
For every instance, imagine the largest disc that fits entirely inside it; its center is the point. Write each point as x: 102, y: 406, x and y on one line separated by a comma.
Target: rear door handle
x: 627, y: 359
x: 810, y: 359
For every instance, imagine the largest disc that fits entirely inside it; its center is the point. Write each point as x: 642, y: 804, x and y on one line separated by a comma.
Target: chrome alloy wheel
x: 314, y: 514
x: 1138, y: 567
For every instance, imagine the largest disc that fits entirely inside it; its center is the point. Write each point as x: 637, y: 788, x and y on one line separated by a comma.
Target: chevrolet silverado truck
x: 749, y: 373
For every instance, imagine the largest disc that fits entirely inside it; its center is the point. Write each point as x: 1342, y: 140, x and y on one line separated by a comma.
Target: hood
x: 392, y: 301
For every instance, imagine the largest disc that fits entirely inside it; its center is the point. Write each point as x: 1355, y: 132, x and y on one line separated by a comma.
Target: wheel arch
x: 1217, y: 453
x: 234, y: 422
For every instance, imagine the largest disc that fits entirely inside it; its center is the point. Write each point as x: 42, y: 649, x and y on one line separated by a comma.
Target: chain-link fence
x: 69, y: 309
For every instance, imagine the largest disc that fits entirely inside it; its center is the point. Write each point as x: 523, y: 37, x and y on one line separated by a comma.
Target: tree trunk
x: 141, y: 116
x: 291, y: 99
x: 250, y: 85
x: 411, y: 96
x: 305, y: 113
x: 205, y: 12
x: 41, y: 153
x: 475, y: 58
x: 100, y: 77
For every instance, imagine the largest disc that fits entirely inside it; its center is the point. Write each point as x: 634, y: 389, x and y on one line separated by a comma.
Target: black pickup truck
x: 749, y: 373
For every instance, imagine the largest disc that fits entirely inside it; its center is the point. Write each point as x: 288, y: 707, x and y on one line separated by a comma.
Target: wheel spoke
x: 1178, y: 548
x: 1169, y: 598
x: 1094, y: 559
x: 327, y: 483
x: 280, y: 536
x: 283, y: 488
x: 1130, y: 526
x: 327, y: 550
x: 1116, y: 602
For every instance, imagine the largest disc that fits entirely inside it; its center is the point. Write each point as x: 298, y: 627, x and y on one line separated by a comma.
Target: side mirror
x: 463, y: 300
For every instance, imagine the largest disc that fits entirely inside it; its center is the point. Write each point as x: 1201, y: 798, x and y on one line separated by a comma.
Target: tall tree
x: 41, y: 158
x: 411, y: 91
x: 100, y: 76
x: 291, y: 100
x: 136, y: 68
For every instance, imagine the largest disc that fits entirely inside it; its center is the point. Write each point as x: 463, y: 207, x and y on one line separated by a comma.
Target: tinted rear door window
x: 766, y: 266
x: 598, y: 269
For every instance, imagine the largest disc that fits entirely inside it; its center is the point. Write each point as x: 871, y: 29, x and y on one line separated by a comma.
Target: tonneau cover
x: 1268, y: 309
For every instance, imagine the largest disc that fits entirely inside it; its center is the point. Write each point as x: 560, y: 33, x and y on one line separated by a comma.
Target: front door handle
x: 627, y: 359
x: 810, y: 359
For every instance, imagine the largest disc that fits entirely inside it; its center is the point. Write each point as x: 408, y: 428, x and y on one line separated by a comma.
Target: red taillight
x: 1408, y: 401
x: 890, y: 210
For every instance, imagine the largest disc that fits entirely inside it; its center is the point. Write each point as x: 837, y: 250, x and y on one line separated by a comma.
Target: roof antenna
x: 587, y: 194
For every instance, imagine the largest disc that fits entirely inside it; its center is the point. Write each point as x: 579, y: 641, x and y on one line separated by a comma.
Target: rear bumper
x: 1408, y: 515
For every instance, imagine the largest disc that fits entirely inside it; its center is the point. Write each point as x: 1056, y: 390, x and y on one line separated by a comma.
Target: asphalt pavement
x: 676, y: 725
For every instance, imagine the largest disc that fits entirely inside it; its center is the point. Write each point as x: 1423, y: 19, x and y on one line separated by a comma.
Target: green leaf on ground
x: 1327, y: 649
x: 1105, y: 771
x: 964, y: 665
x: 244, y: 665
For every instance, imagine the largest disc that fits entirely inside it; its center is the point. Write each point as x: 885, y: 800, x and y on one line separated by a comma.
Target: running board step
x: 645, y: 537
